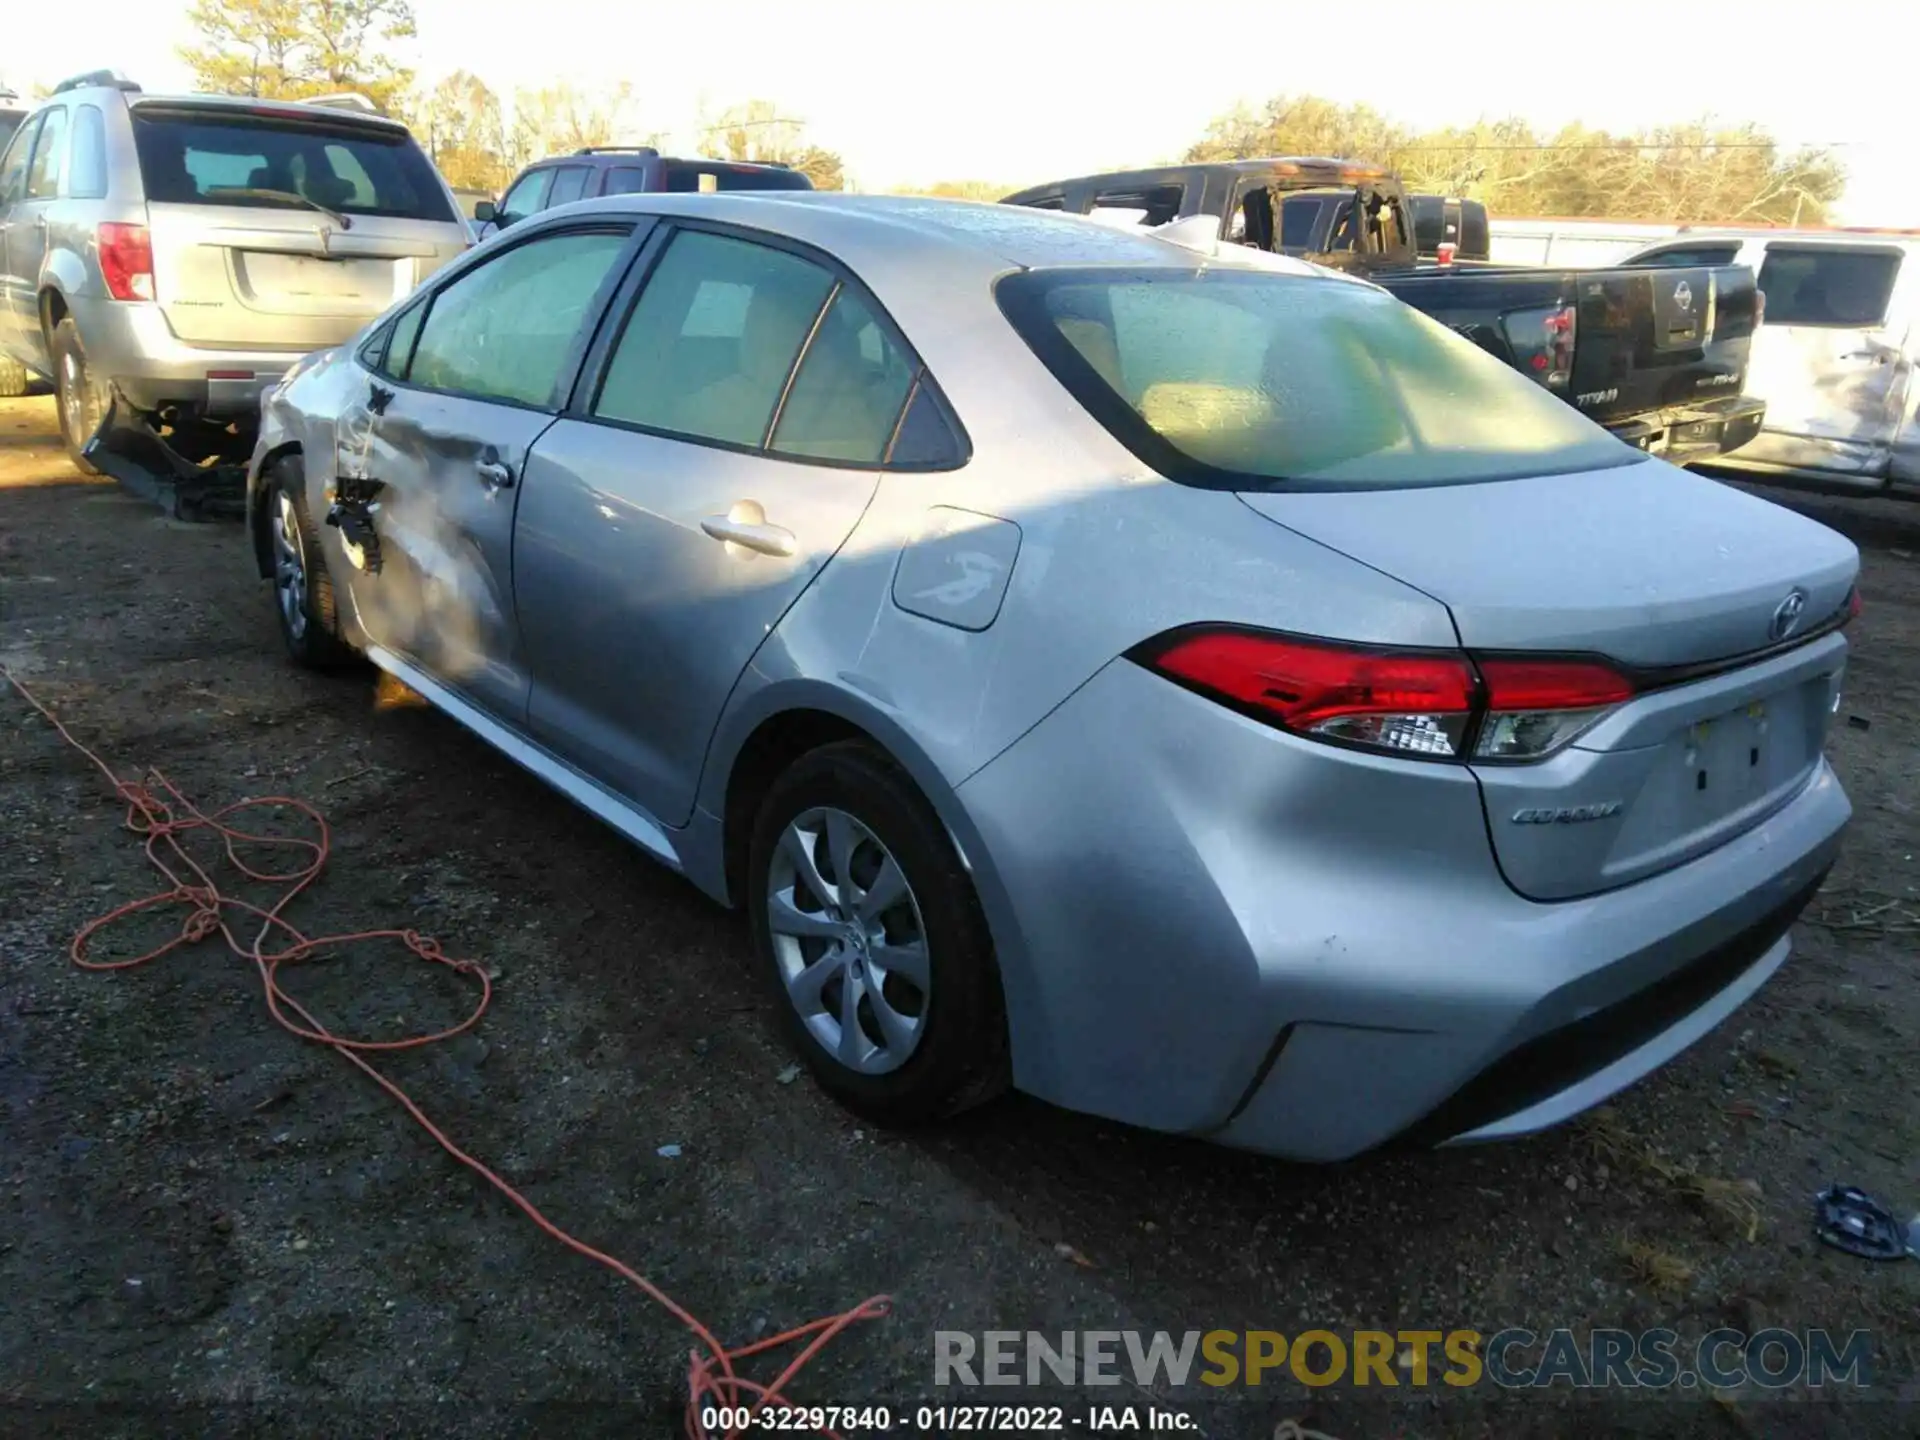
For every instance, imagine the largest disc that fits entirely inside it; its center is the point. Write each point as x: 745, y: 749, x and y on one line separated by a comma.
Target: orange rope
x: 159, y: 811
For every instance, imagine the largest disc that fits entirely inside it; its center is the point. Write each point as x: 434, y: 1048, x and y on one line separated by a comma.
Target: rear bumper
x: 130, y: 344
x: 1223, y: 930
x: 1683, y: 434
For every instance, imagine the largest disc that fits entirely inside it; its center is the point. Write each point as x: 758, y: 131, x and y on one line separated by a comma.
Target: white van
x: 1834, y: 357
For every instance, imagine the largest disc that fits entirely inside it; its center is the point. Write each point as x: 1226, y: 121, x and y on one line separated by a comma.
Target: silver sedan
x: 1193, y: 689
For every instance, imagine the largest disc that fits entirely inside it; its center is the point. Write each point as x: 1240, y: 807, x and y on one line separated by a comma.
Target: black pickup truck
x: 1657, y: 355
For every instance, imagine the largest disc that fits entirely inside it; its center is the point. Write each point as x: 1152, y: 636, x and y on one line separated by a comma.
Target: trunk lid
x: 1675, y: 578
x: 278, y: 229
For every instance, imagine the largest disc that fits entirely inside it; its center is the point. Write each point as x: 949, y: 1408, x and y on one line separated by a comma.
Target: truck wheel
x: 302, y: 588
x: 80, y: 399
x: 14, y: 378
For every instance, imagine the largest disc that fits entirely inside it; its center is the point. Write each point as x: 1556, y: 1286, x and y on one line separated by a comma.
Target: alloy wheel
x: 289, y: 567
x: 848, y: 941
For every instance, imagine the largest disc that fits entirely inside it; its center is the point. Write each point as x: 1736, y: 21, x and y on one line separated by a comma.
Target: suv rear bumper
x: 1683, y: 434
x: 131, y: 344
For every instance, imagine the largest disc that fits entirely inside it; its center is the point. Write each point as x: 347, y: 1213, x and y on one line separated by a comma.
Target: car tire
x: 14, y: 378
x: 929, y: 1033
x: 78, y: 398
x: 304, y: 601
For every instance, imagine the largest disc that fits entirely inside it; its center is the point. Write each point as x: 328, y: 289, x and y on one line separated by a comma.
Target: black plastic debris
x: 1859, y: 722
x: 1849, y: 1219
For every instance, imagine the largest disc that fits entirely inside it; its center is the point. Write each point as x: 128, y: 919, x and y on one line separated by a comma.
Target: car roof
x: 898, y: 227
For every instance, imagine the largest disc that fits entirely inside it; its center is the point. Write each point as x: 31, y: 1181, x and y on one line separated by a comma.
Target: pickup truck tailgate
x: 1649, y: 339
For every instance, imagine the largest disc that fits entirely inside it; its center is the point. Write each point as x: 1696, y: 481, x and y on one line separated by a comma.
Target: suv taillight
x: 126, y: 260
x: 1421, y: 704
x: 1542, y: 343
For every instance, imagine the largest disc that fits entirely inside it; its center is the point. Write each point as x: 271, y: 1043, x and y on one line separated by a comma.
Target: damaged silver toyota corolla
x: 1190, y: 688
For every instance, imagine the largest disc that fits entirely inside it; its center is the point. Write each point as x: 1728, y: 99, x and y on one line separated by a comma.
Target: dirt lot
x: 197, y: 1209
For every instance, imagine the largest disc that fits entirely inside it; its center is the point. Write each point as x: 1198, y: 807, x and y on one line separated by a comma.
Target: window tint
x: 504, y: 330
x: 399, y: 348
x: 87, y: 157
x: 712, y: 339
x: 1299, y: 216
x: 49, y: 156
x: 1251, y: 381
x: 1848, y: 288
x: 528, y: 196
x: 845, y: 399
x: 203, y: 156
x: 625, y: 180
x: 569, y: 183
x: 685, y: 176
x: 1158, y: 205
x: 13, y: 165
x: 925, y: 441
x: 1691, y: 256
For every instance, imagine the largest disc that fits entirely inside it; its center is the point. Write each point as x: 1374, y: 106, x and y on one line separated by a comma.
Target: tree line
x: 1693, y: 171
x: 299, y: 49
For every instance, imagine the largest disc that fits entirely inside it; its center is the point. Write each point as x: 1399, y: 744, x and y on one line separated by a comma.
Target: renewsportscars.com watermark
x: 1511, y: 1358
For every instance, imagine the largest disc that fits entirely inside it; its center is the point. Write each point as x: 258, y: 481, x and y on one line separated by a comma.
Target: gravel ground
x: 209, y: 1226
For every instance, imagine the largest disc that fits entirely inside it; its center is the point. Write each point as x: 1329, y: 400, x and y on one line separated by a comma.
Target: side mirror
x: 484, y: 213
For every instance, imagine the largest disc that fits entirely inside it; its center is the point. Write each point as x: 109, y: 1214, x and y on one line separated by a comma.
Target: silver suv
x: 184, y: 251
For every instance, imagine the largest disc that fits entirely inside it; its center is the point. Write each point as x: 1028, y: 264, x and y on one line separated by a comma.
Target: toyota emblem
x: 1786, y: 615
x: 1683, y: 295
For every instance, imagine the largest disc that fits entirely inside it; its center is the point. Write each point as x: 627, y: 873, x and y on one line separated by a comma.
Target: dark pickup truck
x: 1657, y: 355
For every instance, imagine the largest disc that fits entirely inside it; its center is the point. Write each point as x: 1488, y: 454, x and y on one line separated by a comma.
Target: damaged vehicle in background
x: 1659, y: 357
x: 1209, y: 694
x: 169, y: 257
x: 1838, y: 358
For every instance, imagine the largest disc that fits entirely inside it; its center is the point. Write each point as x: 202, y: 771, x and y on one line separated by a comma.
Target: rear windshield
x: 199, y: 157
x: 1247, y: 381
x: 685, y: 175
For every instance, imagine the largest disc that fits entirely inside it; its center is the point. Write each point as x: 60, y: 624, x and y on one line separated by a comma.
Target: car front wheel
x: 867, y: 927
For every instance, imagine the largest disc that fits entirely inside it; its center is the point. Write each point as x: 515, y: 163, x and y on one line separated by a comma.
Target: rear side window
x: 1252, y: 381
x: 204, y: 157
x: 625, y: 180
x: 569, y: 184
x: 845, y: 400
x: 710, y: 343
x: 87, y: 156
x: 1157, y: 205
x: 504, y: 330
x: 49, y: 156
x: 684, y: 176
x: 1691, y: 257
x: 1847, y: 289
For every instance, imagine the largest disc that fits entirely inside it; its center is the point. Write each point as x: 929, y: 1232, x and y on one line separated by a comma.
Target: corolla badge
x: 1786, y: 615
x: 1567, y: 814
x: 1683, y: 295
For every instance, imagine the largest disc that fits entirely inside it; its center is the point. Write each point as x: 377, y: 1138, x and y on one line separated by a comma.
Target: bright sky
x: 1017, y: 91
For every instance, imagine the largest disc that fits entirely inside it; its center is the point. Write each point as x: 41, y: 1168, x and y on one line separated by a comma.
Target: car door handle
x: 495, y: 475
x: 745, y: 524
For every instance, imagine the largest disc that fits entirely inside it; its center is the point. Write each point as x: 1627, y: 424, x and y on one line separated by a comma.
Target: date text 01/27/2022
x: 850, y: 1420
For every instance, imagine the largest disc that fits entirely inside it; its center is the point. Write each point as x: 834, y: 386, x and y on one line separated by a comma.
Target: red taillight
x: 1854, y: 605
x: 1542, y: 341
x: 1430, y: 704
x: 126, y: 260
